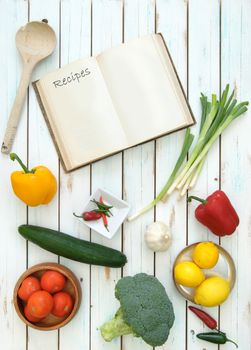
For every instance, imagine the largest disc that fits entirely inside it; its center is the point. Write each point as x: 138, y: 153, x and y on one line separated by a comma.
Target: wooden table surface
x: 210, y: 42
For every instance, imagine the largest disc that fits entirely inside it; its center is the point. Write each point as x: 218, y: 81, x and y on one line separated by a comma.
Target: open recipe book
x: 101, y: 105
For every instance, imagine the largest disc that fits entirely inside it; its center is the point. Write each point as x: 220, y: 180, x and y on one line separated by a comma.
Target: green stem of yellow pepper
x: 14, y: 156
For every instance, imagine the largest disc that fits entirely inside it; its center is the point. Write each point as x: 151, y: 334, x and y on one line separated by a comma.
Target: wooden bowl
x: 72, y: 286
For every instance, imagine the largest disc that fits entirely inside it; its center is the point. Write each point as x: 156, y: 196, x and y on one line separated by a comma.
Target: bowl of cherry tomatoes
x: 47, y: 296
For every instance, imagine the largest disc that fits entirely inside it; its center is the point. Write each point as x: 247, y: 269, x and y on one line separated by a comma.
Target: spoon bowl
x: 35, y: 40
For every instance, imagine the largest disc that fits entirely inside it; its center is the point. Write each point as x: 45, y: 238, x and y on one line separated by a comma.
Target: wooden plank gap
x: 91, y: 171
x: 91, y: 34
x: 155, y: 17
x: 187, y: 42
x: 59, y: 162
x: 123, y: 22
x: 27, y: 159
x: 90, y: 235
x: 187, y: 96
x: 220, y: 140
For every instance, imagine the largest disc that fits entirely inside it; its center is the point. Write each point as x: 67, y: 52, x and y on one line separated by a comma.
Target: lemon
x: 188, y: 274
x: 206, y: 255
x: 212, y: 292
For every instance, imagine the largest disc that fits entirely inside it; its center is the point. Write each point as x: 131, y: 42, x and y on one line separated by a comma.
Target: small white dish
x: 120, y: 211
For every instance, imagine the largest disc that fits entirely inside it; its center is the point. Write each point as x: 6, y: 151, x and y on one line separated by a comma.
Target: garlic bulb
x: 157, y: 236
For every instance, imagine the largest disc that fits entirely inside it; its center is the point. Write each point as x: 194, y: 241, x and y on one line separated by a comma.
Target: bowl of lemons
x: 204, y: 273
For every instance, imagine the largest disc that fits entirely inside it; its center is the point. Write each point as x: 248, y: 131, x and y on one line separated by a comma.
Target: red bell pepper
x: 217, y: 213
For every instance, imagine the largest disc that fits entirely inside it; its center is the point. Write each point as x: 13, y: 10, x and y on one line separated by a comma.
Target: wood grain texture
x: 106, y: 32
x: 75, y: 42
x: 173, y: 212
x: 138, y: 186
x: 42, y: 151
x: 210, y: 45
x: 12, y: 212
x: 204, y: 68
x: 235, y: 165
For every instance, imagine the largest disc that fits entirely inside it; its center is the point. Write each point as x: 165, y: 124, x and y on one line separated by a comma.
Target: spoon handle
x: 16, y: 110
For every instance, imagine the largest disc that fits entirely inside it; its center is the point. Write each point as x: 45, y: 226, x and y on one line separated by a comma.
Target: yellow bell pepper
x: 34, y: 187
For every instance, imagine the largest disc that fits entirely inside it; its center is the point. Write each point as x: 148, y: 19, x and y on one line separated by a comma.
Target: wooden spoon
x: 35, y: 41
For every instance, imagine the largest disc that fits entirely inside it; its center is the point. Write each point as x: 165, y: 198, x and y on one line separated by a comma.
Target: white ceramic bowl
x: 120, y: 211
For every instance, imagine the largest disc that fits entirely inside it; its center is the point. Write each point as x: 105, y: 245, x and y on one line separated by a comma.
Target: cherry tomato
x: 52, y: 281
x: 29, y: 316
x: 63, y: 304
x: 40, y: 304
x: 28, y: 287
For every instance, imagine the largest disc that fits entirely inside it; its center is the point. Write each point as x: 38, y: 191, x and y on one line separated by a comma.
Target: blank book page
x: 142, y: 90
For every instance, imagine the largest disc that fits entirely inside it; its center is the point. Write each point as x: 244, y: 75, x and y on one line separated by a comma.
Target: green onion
x: 216, y: 117
x: 188, y: 140
x: 207, y: 120
x: 197, y: 173
x: 205, y: 150
x: 221, y: 114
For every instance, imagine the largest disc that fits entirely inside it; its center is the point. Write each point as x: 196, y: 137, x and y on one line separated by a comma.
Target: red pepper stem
x: 14, y: 156
x: 203, y: 201
x: 78, y: 216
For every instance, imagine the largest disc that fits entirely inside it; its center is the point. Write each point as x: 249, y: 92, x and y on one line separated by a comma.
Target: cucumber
x: 72, y: 248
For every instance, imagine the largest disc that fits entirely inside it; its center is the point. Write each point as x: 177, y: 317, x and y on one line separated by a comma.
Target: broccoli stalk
x: 145, y: 310
x: 116, y: 327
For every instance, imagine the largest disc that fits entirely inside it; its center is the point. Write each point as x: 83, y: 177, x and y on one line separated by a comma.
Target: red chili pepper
x: 89, y: 215
x: 205, y: 317
x: 217, y: 213
x: 105, y: 221
x: 104, y: 217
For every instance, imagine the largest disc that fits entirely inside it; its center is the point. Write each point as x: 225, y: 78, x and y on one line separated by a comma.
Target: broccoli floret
x: 145, y: 310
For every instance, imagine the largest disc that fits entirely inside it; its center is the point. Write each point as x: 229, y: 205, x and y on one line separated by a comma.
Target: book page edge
x: 180, y: 128
x: 177, y: 76
x: 66, y: 164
